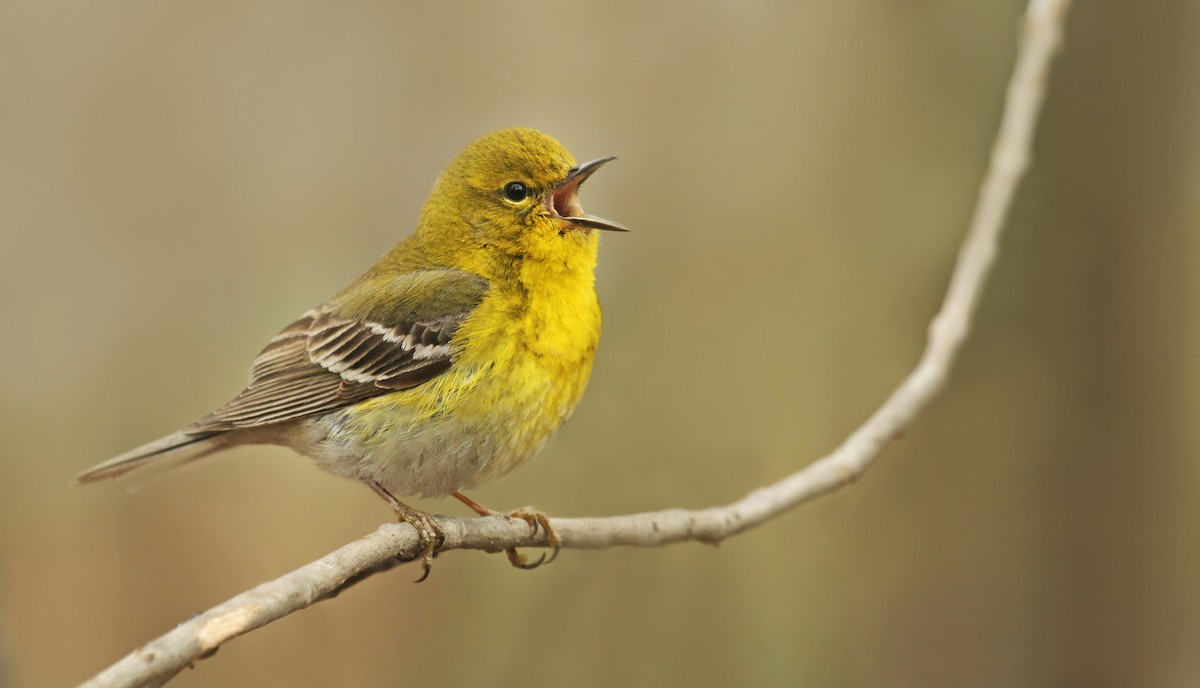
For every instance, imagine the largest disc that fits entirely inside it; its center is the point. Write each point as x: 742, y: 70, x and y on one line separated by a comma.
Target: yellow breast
x: 531, y: 350
x: 521, y: 365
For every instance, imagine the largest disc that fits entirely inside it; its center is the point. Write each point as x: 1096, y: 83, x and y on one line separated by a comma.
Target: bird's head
x: 515, y: 193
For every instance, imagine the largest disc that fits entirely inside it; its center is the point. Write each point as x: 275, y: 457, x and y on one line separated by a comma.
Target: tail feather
x: 147, y: 454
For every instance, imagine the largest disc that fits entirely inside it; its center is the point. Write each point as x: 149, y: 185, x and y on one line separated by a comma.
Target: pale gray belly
x: 441, y: 457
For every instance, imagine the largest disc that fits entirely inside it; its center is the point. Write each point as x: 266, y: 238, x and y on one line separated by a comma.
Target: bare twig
x: 161, y: 659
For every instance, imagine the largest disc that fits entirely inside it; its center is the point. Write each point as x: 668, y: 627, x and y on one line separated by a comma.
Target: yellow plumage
x: 453, y: 359
x: 523, y: 358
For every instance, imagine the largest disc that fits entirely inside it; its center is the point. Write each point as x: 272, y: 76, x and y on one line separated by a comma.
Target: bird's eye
x: 516, y: 191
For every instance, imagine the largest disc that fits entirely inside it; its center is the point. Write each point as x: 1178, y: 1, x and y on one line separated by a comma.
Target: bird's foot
x: 429, y: 533
x: 536, y: 519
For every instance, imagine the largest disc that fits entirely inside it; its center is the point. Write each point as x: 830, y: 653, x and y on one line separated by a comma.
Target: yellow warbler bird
x: 452, y: 360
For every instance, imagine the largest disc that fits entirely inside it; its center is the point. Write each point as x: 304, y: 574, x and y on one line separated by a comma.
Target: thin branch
x: 391, y: 544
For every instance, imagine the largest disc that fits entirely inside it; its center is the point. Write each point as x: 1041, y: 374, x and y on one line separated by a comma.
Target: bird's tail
x: 171, y: 446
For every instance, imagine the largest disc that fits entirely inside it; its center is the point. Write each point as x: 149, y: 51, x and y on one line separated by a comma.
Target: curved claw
x: 519, y: 561
x: 427, y: 566
x: 534, y: 518
x: 537, y: 520
x: 429, y: 534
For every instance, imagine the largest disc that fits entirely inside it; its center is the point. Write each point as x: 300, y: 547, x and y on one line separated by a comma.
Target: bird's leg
x: 533, y: 517
x: 429, y: 534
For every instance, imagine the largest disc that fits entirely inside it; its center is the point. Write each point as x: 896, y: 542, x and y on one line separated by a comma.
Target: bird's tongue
x: 566, y: 200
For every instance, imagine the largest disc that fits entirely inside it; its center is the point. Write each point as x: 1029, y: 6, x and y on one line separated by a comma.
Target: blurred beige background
x: 178, y: 180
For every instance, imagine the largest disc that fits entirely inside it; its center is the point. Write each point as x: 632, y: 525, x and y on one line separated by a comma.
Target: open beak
x: 563, y: 201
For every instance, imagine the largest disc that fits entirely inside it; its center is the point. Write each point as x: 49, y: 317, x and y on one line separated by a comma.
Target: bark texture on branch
x: 161, y: 659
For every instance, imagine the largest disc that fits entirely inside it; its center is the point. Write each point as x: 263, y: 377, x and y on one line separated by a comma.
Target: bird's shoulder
x: 399, y: 297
